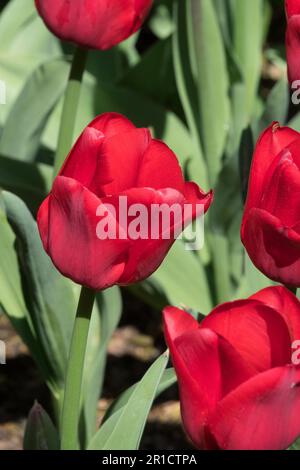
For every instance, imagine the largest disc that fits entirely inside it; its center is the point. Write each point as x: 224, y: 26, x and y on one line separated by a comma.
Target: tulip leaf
x: 168, y: 379
x: 184, y: 69
x: 183, y: 279
x: 295, y: 446
x: 252, y: 280
x: 277, y: 105
x: 212, y: 83
x: 12, y: 301
x: 25, y: 44
x: 31, y: 110
x: 40, y: 433
x: 248, y: 35
x: 141, y: 79
x: 49, y: 297
x: 30, y: 181
x: 123, y: 431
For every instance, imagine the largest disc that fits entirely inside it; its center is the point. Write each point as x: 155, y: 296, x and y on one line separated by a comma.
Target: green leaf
x: 40, y: 433
x: 183, y: 279
x: 252, y: 281
x: 184, y: 69
x: 168, y: 379
x: 50, y: 298
x: 277, y: 105
x: 212, y: 84
x: 123, y: 431
x: 31, y: 111
x: 30, y: 181
x: 11, y: 296
x: 140, y: 78
x: 25, y: 43
x: 295, y: 446
x: 248, y: 35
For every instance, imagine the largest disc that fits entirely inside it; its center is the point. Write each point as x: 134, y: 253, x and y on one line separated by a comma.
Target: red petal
x: 82, y: 162
x: 145, y: 255
x: 281, y: 195
x: 160, y: 168
x: 178, y: 322
x: 91, y: 23
x: 195, y: 196
x: 67, y: 223
x: 286, y: 304
x: 121, y: 159
x: 292, y: 7
x: 273, y: 248
x: 293, y: 48
x: 261, y: 414
x: 270, y: 144
x: 201, y: 358
x: 111, y: 124
x: 256, y: 331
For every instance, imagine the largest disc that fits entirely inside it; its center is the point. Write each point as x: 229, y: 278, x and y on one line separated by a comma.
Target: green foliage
x: 124, y: 428
x: 197, y: 86
x: 40, y: 433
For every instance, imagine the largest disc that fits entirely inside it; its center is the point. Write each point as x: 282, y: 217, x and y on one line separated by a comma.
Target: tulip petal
x: 286, y: 304
x: 273, y: 140
x: 256, y: 331
x: 160, y: 168
x: 196, y: 197
x: 281, y: 194
x: 207, y: 367
x: 121, y: 159
x: 293, y: 48
x: 178, y: 322
x: 148, y: 250
x: 111, y: 124
x: 261, y: 414
x: 273, y: 248
x: 292, y: 7
x: 93, y: 23
x: 82, y: 162
x: 142, y: 8
x: 67, y: 224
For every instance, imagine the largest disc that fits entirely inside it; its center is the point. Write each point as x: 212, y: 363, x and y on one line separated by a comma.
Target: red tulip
x: 112, y: 158
x: 99, y: 24
x: 293, y: 39
x: 239, y: 389
x: 271, y: 223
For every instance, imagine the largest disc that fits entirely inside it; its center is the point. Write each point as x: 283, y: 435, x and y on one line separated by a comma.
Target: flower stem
x: 69, y: 113
x: 73, y: 384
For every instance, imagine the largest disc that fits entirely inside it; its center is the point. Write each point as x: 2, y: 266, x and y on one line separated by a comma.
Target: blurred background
x: 143, y: 78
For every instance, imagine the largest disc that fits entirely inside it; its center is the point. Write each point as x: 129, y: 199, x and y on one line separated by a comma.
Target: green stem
x: 73, y: 385
x: 69, y: 113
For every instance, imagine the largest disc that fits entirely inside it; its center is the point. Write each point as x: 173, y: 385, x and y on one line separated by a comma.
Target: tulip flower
x: 98, y: 24
x: 293, y: 39
x: 239, y: 389
x: 271, y: 223
x: 113, y: 161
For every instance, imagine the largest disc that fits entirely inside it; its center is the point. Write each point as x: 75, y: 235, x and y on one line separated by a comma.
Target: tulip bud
x: 97, y: 24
